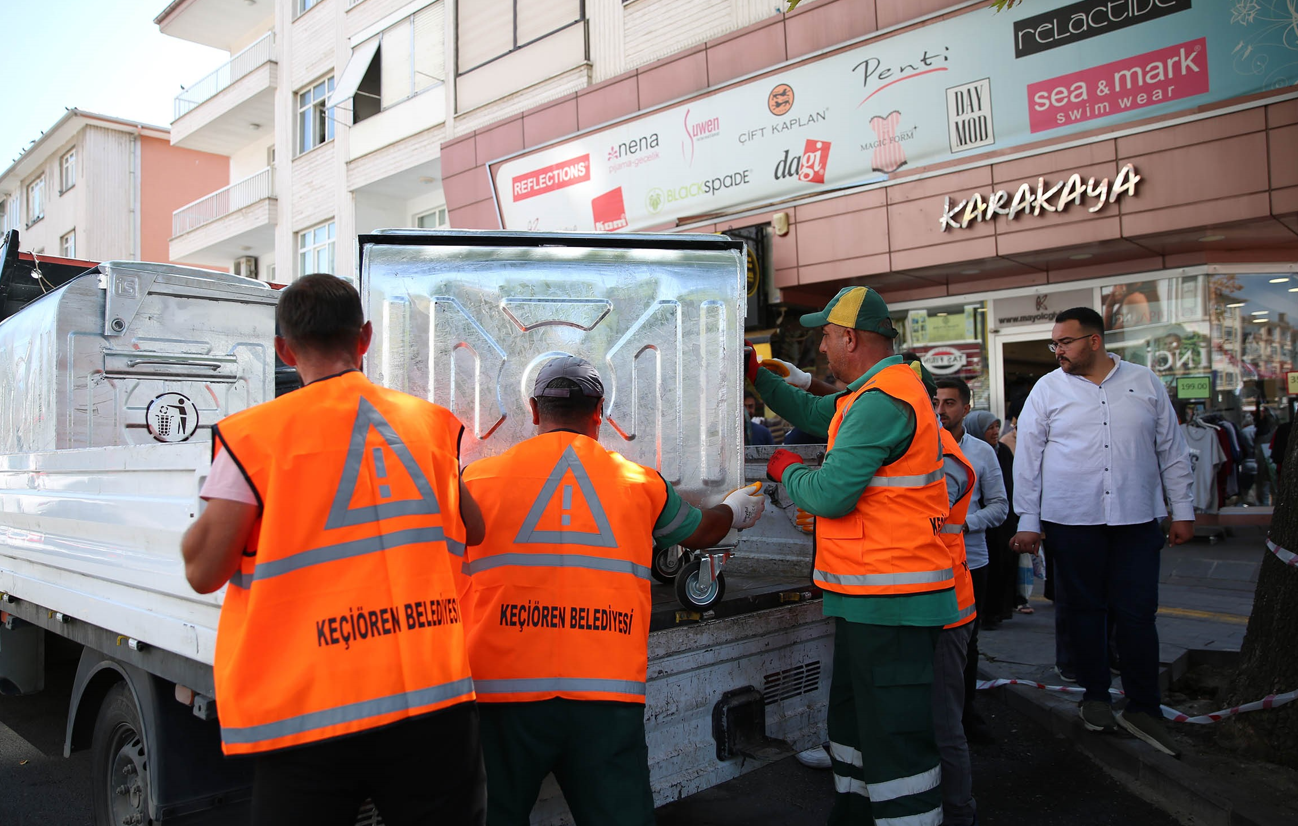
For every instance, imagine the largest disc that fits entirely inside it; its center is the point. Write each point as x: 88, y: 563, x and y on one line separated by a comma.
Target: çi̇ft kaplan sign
x: 975, y: 82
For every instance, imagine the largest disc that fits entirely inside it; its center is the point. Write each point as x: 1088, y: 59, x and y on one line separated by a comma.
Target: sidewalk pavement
x: 1205, y: 598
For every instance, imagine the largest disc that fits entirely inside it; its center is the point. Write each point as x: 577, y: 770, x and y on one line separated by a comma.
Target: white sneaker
x: 814, y: 758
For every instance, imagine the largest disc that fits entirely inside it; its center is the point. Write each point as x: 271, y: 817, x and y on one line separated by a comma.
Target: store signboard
x: 1039, y: 308
x: 977, y: 81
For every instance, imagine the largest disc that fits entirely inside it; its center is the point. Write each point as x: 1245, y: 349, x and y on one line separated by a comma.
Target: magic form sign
x: 866, y: 115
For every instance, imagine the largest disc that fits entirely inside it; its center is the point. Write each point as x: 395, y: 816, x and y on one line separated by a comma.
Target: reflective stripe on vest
x: 559, y: 684
x: 906, y: 578
x: 905, y: 481
x: 343, y: 550
x: 307, y: 723
x: 592, y: 563
x: 953, y: 536
x: 956, y: 528
x: 965, y: 613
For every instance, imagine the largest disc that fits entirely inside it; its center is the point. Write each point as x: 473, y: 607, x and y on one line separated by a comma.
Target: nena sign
x: 1026, y: 199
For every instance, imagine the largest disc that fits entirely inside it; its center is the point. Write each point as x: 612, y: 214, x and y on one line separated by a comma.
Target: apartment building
x: 333, y: 112
x: 98, y: 187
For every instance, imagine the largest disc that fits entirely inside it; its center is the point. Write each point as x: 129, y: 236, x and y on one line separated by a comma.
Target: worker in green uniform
x: 879, y: 499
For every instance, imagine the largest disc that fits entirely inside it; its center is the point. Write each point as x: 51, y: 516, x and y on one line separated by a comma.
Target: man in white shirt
x: 987, y: 508
x: 1099, y: 449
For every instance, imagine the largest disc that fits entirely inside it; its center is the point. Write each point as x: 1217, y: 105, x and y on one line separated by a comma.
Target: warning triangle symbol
x: 601, y: 538
x: 342, y: 514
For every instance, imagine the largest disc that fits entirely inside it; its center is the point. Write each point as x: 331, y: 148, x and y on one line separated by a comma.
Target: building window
x: 315, y: 122
x: 315, y: 249
x: 303, y: 6
x: 68, y: 245
x: 67, y: 171
x: 411, y: 57
x: 36, y: 200
x: 436, y: 219
x: 488, y: 29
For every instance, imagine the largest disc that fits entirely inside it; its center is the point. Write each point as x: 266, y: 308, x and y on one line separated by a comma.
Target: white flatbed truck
x: 109, y: 385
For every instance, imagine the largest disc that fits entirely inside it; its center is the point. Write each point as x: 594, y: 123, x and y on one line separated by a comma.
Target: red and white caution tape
x: 1287, y: 557
x: 1270, y: 701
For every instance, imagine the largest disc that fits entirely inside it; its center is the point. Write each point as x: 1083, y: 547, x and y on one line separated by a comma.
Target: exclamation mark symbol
x: 380, y: 470
x: 566, y: 519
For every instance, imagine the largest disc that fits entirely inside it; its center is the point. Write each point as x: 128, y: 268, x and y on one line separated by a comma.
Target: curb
x: 1189, y: 794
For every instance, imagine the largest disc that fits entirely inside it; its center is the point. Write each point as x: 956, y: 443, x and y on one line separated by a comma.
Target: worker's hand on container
x: 805, y: 521
x: 789, y: 372
x: 747, y: 504
x: 750, y: 361
x: 780, y: 462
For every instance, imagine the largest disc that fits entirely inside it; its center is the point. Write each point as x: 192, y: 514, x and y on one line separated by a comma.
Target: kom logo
x: 609, y: 210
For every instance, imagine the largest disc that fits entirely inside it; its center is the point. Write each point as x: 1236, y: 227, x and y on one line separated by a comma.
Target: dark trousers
x: 1111, y: 570
x: 422, y: 771
x: 881, y: 739
x: 979, y: 577
x: 596, y: 751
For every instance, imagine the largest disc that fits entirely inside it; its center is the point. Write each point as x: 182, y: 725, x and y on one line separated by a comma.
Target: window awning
x: 346, y: 86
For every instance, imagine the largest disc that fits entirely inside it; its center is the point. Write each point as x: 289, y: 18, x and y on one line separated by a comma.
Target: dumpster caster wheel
x: 693, y: 595
x: 668, y: 563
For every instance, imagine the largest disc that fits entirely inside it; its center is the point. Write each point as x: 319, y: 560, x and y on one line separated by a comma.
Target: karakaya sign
x: 935, y: 93
x: 1026, y: 200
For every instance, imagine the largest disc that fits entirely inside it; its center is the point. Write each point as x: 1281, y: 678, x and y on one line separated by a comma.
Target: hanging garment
x: 1206, y: 457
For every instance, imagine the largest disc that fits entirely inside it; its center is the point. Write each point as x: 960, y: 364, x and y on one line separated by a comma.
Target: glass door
x: 1019, y: 359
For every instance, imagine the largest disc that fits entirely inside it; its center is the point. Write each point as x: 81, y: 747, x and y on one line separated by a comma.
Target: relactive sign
x: 978, y: 81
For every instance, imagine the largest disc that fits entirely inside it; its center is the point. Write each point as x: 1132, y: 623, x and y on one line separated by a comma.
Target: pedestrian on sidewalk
x: 988, y: 508
x: 1099, y: 450
x: 880, y: 501
x: 1002, y: 563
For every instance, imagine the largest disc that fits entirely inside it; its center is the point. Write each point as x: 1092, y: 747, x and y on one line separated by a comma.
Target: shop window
x: 1164, y: 325
x: 951, y: 341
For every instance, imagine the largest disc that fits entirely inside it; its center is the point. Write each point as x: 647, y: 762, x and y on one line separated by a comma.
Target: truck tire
x: 119, y: 765
x: 691, y: 595
x: 668, y: 563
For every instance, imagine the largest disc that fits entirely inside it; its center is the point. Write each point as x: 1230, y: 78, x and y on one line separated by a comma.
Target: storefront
x: 1221, y: 337
x: 982, y: 171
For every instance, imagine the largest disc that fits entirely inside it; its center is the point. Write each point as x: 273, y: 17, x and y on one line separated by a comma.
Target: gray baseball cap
x: 568, y: 367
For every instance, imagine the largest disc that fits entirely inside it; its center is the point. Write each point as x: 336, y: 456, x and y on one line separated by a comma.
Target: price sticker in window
x: 1194, y: 387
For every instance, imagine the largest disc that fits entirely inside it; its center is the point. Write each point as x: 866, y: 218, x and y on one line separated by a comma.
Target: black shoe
x: 1066, y: 674
x: 991, y: 625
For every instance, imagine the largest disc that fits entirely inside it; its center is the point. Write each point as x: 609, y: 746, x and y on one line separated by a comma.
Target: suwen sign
x: 1027, y: 200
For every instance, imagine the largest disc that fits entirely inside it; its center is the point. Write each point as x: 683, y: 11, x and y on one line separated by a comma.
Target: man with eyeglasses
x: 1099, y: 449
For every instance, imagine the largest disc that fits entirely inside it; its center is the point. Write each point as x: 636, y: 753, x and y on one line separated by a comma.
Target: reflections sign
x: 976, y: 82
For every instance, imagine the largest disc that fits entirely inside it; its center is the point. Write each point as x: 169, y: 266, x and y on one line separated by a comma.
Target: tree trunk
x: 1269, y: 657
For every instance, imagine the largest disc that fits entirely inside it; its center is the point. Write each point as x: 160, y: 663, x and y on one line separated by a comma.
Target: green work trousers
x: 596, y: 751
x: 887, y: 770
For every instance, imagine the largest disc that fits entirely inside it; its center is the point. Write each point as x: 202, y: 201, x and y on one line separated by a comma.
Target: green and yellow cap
x: 860, y: 308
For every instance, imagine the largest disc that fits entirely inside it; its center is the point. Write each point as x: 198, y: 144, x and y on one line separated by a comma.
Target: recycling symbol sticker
x: 172, y: 417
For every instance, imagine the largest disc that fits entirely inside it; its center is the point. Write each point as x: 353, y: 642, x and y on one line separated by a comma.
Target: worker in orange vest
x: 335, y: 514
x: 880, y: 503
x: 557, y: 598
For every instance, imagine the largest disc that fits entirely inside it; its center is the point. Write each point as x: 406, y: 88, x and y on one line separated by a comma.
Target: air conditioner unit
x: 246, y: 266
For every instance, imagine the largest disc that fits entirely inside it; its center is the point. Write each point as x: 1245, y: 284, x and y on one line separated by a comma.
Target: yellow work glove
x: 805, y: 521
x: 789, y: 372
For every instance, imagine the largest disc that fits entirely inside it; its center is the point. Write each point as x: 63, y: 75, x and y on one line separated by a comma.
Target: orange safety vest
x: 953, y: 534
x: 343, y: 615
x: 557, y: 595
x: 890, y: 543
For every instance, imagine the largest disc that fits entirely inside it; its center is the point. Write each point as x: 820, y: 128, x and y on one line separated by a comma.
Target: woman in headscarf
x: 1001, y: 597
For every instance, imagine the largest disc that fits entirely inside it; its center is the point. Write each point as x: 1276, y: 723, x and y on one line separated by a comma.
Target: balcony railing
x: 236, y: 67
x: 223, y: 202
